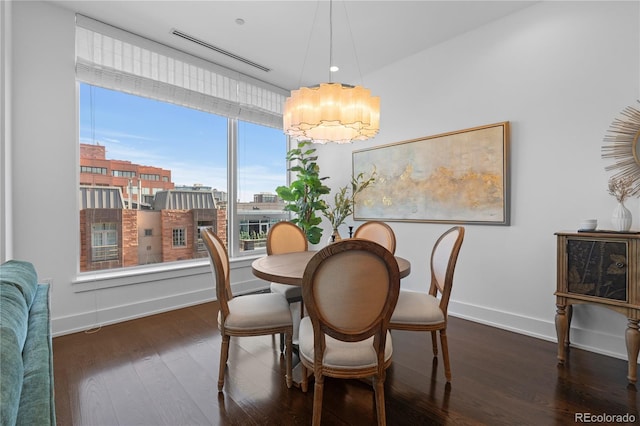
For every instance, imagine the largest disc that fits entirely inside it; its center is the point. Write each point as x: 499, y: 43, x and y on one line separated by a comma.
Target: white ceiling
x: 292, y: 37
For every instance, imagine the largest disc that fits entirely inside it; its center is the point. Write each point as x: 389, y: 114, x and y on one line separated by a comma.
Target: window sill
x: 97, y: 280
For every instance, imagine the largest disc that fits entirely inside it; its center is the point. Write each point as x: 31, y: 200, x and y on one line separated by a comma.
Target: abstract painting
x: 455, y: 177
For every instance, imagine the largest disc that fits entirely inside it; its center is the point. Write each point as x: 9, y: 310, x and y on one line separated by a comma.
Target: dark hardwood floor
x: 162, y: 370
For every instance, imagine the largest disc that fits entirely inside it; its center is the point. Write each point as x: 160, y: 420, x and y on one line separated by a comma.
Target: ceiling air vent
x: 219, y: 50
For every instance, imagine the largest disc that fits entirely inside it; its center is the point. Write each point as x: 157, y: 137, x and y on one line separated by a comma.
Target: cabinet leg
x: 561, y: 331
x: 632, y: 339
x: 567, y: 343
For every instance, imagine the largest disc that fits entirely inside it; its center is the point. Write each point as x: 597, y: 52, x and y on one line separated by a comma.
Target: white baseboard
x: 612, y: 345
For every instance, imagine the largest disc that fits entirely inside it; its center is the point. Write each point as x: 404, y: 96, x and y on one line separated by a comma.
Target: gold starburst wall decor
x: 622, y: 146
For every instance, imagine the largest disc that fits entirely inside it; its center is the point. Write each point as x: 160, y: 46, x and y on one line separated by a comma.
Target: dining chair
x: 247, y: 315
x: 419, y: 311
x: 287, y: 237
x: 350, y: 289
x: 379, y: 232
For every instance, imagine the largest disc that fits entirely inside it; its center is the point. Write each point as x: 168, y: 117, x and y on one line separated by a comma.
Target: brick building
x: 117, y: 231
x: 138, y: 183
x: 131, y: 215
x: 113, y: 237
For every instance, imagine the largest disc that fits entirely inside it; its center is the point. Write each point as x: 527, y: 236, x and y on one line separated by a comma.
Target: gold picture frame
x: 456, y: 177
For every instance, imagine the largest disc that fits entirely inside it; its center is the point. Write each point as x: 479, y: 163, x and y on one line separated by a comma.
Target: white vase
x: 621, y: 218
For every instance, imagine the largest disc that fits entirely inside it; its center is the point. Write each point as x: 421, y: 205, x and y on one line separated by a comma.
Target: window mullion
x: 233, y: 227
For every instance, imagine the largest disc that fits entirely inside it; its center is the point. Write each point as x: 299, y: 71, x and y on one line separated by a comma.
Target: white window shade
x: 116, y: 59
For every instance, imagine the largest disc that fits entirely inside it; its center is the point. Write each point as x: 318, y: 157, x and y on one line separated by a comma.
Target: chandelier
x: 331, y: 112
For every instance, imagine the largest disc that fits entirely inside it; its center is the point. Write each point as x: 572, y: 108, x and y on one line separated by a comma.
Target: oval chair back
x: 379, y: 232
x: 286, y: 237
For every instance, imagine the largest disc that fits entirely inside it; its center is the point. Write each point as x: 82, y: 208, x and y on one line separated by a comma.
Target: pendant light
x: 331, y: 112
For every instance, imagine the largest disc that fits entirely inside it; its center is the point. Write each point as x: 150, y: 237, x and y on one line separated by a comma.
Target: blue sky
x: 190, y: 143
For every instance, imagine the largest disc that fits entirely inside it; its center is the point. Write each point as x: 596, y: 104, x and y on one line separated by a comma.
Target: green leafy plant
x: 304, y: 195
x: 343, y: 202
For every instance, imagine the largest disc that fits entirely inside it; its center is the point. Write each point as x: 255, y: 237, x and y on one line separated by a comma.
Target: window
x: 94, y: 170
x: 104, y: 241
x: 149, y: 203
x: 259, y: 206
x: 202, y: 157
x: 179, y: 237
x: 191, y: 144
x: 123, y: 173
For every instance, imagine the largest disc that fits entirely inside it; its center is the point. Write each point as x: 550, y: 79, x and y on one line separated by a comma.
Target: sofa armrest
x: 37, y: 403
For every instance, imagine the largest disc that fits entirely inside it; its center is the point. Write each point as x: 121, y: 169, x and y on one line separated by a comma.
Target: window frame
x: 179, y: 237
x: 105, y: 235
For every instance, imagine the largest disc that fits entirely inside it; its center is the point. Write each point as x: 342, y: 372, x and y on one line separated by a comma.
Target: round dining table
x: 288, y: 268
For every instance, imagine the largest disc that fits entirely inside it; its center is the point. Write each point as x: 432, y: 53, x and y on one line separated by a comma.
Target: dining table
x: 288, y: 268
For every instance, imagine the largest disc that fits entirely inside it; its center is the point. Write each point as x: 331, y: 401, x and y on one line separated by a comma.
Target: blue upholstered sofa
x: 26, y: 357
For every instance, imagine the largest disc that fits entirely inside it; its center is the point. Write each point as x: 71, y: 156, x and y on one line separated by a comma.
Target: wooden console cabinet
x: 601, y: 268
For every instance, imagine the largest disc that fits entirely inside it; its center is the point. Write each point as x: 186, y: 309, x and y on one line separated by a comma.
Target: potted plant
x: 344, y: 201
x: 304, y: 195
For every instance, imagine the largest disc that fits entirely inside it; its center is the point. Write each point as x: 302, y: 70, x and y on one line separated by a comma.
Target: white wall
x: 559, y: 72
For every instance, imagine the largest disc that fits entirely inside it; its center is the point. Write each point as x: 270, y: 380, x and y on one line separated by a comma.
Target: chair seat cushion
x: 415, y: 307
x: 341, y: 354
x: 290, y: 292
x: 256, y: 311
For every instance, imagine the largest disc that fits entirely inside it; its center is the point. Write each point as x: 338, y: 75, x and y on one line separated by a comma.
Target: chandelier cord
x: 306, y: 55
x: 330, y: 38
x: 353, y: 43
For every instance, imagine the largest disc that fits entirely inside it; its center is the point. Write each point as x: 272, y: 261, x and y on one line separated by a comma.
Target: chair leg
x: 379, y: 391
x: 317, y: 399
x: 289, y: 358
x: 434, y: 343
x: 224, y: 355
x: 445, y: 354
